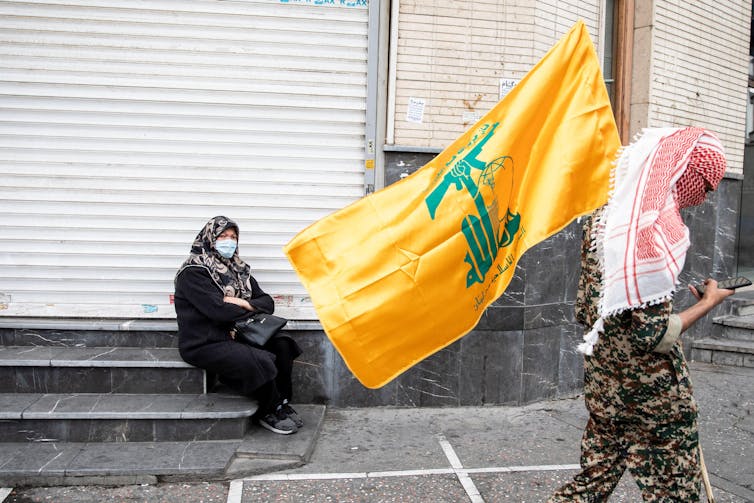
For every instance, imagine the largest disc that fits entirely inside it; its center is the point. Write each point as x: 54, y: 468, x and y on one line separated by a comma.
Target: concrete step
x: 107, y: 463
x: 739, y: 353
x: 60, y: 369
x: 95, y: 417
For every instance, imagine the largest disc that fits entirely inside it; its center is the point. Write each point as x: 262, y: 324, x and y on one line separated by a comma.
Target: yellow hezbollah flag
x: 406, y: 271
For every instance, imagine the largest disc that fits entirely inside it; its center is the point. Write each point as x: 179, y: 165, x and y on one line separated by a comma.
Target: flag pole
x: 705, y: 477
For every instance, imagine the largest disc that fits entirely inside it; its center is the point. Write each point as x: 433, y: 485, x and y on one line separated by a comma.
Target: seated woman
x: 213, y: 289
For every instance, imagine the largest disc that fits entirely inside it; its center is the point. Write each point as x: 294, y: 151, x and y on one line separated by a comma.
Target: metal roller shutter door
x: 125, y: 126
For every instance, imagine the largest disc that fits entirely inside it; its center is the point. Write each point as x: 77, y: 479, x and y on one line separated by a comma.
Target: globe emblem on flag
x: 486, y: 232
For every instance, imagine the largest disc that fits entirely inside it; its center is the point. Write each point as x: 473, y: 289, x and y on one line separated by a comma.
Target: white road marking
x: 463, y: 476
x: 235, y: 492
x: 511, y: 469
x: 4, y: 492
x: 355, y: 475
x: 405, y: 473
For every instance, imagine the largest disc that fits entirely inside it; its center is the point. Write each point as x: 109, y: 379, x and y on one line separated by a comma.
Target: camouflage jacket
x: 637, y: 371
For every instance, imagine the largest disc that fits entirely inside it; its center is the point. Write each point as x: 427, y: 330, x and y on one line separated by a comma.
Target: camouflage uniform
x: 642, y: 415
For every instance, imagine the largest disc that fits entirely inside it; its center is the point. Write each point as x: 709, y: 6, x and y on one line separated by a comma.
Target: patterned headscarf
x: 706, y: 169
x: 640, y: 238
x: 232, y: 276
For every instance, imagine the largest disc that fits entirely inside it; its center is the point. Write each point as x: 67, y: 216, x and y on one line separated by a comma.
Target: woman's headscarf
x: 232, y: 276
x: 640, y: 238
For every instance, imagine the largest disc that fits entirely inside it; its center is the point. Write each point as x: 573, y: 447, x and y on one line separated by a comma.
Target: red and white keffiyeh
x: 640, y: 239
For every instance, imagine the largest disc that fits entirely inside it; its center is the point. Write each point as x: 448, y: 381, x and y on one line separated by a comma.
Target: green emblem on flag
x: 486, y: 233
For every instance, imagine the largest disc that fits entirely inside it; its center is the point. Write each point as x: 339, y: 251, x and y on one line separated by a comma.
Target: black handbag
x: 258, y: 328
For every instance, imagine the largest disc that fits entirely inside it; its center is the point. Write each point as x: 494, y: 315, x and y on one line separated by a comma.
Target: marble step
x: 102, y: 332
x: 739, y: 353
x: 742, y: 303
x: 95, y: 417
x: 18, y: 331
x: 55, y: 369
x: 84, y: 463
x: 744, y: 308
x: 740, y: 328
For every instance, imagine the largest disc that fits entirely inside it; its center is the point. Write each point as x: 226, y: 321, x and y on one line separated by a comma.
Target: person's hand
x: 705, y: 303
x: 232, y: 300
x: 239, y: 302
x: 712, y: 293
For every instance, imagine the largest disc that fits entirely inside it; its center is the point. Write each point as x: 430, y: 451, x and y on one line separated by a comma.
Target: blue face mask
x: 226, y: 247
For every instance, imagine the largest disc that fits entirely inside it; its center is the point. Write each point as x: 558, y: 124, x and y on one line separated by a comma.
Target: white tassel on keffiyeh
x: 590, y: 338
x: 639, y: 238
x: 642, y: 238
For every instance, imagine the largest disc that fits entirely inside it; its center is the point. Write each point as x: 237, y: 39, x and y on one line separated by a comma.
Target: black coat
x: 204, y: 324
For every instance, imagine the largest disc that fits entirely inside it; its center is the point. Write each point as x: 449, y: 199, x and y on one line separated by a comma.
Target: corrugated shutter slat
x: 125, y: 125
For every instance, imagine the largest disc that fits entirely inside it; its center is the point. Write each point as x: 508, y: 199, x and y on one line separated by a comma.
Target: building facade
x: 126, y: 126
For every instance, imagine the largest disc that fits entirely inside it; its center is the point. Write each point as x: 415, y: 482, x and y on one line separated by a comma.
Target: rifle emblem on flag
x: 482, y: 232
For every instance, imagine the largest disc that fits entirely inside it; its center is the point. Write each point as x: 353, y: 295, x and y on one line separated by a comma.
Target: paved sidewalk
x: 490, y: 454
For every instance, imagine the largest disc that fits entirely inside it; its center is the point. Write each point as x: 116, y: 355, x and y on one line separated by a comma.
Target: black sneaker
x: 292, y: 414
x: 278, y: 422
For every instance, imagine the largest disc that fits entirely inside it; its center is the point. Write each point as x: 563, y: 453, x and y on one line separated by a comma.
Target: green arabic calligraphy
x: 484, y: 233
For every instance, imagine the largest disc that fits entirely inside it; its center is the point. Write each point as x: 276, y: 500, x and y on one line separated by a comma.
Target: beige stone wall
x: 690, y: 68
x: 690, y: 62
x: 452, y: 54
x: 555, y: 17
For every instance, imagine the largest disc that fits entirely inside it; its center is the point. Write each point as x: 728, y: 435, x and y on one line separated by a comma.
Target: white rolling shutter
x: 125, y: 125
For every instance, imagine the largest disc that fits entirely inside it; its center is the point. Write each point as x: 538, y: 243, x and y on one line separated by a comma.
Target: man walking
x: 642, y: 413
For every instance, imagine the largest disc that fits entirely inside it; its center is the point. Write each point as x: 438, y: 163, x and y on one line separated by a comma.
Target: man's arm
x: 711, y: 298
x: 679, y: 323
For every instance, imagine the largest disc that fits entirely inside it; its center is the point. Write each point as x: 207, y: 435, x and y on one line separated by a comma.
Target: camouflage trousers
x: 663, y: 459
